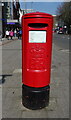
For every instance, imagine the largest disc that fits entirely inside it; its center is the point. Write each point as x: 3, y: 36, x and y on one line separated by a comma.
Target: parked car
x: 54, y: 30
x: 60, y: 31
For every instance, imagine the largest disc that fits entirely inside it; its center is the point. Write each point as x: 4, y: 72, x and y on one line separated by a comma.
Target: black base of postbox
x: 35, y: 98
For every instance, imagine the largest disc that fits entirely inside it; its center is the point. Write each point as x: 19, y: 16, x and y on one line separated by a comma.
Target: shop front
x: 12, y: 24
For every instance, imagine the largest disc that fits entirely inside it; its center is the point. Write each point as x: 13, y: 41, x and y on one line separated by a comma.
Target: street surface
x: 12, y: 81
x: 62, y: 41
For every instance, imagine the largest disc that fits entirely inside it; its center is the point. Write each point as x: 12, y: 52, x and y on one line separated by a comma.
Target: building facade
x: 10, y: 15
x: 16, y: 7
x: 0, y: 19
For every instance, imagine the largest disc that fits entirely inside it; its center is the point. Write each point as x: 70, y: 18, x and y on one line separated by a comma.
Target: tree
x: 64, y: 13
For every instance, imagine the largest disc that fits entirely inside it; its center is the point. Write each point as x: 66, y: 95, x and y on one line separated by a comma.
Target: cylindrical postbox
x: 36, y: 59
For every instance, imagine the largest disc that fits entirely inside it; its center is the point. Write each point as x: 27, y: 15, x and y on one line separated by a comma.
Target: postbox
x: 36, y: 59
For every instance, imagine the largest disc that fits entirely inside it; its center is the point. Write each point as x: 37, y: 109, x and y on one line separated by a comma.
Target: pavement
x: 5, y: 40
x: 62, y: 40
x: 12, y: 83
x: 0, y: 82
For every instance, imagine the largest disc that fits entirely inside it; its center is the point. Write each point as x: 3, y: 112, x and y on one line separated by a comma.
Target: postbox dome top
x: 37, y: 14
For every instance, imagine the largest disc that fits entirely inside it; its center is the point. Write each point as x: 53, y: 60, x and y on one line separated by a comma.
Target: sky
x: 47, y: 7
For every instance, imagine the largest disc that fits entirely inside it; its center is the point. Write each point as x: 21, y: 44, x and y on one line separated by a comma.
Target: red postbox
x: 36, y: 59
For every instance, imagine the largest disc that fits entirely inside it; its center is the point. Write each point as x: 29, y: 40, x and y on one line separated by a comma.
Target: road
x: 62, y: 40
x: 12, y: 76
